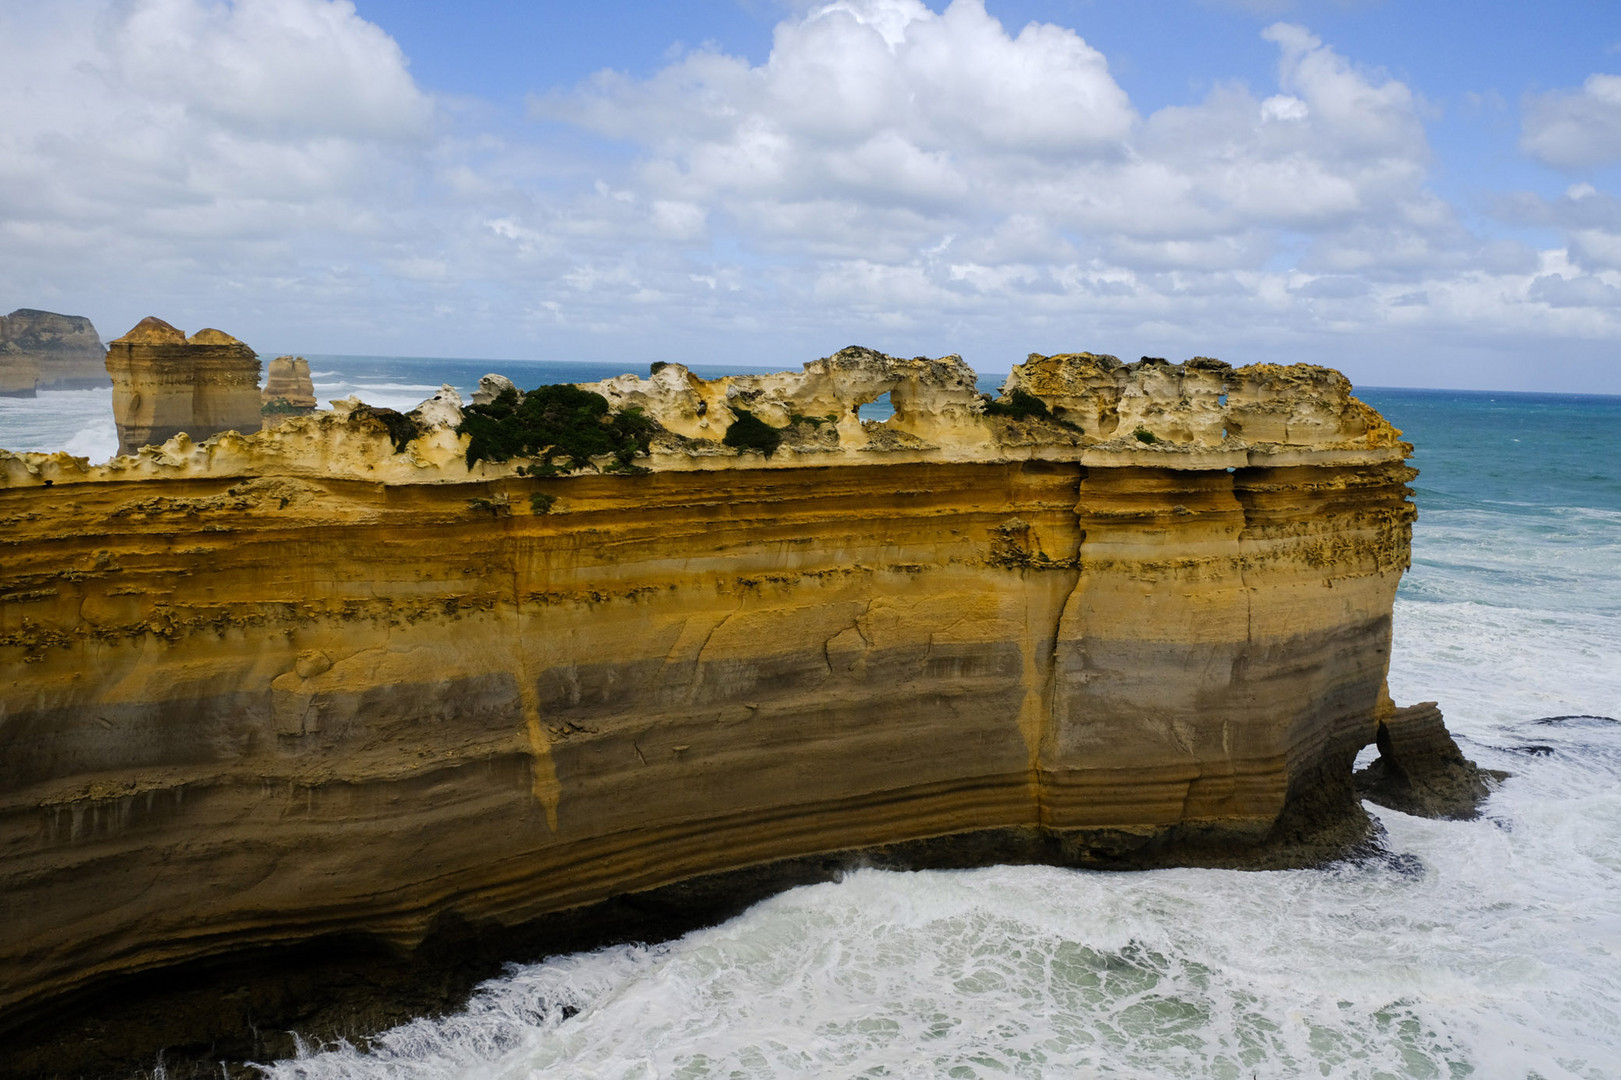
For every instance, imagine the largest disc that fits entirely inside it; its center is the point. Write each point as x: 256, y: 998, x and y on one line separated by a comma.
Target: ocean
x: 1486, y: 948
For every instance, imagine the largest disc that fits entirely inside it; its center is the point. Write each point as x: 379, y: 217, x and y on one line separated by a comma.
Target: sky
x: 1419, y: 193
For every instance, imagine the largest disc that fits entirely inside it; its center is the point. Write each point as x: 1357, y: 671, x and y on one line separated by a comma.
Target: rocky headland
x: 41, y: 350
x: 367, y: 679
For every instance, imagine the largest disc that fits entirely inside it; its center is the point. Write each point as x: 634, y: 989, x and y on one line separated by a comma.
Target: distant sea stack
x: 41, y: 350
x: 165, y: 383
x: 288, y: 390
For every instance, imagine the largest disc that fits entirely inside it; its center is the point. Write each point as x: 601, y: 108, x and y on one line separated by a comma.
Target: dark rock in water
x: 1406, y: 864
x: 1536, y: 750
x: 1577, y: 718
x: 1421, y: 771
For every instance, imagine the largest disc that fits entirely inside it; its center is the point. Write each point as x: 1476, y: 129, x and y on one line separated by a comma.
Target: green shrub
x: 560, y: 427
x: 749, y: 432
x: 1022, y: 405
x: 541, y: 503
x: 1144, y: 435
x: 401, y: 428
x: 1019, y: 406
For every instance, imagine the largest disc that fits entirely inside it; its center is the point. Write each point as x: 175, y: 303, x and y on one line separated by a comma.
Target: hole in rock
x: 879, y: 409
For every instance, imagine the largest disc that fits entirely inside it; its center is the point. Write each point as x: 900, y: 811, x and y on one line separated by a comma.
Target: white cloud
x: 875, y: 124
x: 171, y: 101
x: 1561, y: 292
x: 1589, y: 221
x: 922, y: 179
x: 1575, y: 129
x: 1284, y: 107
x: 269, y: 68
x: 880, y: 99
x: 204, y: 151
x: 1361, y: 115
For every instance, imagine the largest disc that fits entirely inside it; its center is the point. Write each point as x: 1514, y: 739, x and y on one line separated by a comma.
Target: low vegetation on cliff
x: 1021, y: 405
x: 749, y: 432
x: 560, y: 427
x: 401, y: 428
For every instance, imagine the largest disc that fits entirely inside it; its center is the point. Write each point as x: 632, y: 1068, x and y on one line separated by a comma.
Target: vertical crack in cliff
x: 703, y: 647
x: 548, y: 791
x: 1047, y: 719
x: 1032, y: 713
x: 544, y: 783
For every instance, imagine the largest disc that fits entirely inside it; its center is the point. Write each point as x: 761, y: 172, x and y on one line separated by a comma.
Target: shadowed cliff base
x: 215, y: 1018
x: 205, y: 1020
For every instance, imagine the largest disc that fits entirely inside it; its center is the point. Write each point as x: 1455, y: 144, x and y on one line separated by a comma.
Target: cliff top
x: 1077, y: 407
x: 209, y: 336
x: 36, y: 313
x: 151, y: 331
x: 154, y: 331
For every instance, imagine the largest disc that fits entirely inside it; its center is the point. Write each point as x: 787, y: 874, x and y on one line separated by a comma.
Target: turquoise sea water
x: 1492, y: 949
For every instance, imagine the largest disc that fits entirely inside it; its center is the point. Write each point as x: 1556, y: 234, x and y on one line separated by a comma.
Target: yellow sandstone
x: 284, y: 684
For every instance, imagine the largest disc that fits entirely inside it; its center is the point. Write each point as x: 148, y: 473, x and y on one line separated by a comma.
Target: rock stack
x: 288, y: 390
x: 165, y: 383
x: 41, y: 350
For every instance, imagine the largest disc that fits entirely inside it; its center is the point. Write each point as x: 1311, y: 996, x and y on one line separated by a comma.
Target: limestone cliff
x: 41, y: 350
x: 329, y: 678
x: 19, y: 368
x: 288, y: 390
x: 165, y: 384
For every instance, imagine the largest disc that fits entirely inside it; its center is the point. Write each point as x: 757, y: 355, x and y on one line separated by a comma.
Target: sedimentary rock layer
x: 166, y: 384
x: 271, y: 687
x: 41, y: 350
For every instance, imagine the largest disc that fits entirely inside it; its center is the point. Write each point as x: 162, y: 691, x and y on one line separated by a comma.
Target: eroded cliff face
x: 41, y: 350
x: 166, y: 384
x: 301, y: 682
